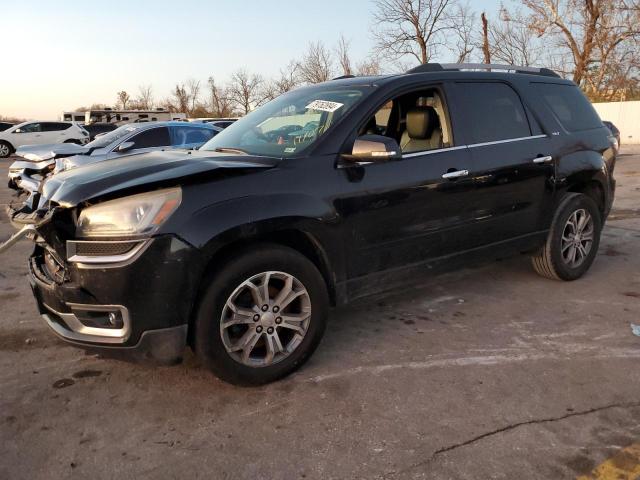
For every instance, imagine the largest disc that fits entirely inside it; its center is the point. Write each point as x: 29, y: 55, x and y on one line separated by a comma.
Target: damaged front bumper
x: 106, y: 299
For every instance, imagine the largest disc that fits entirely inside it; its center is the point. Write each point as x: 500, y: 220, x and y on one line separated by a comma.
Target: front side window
x: 493, y: 112
x: 112, y: 136
x: 290, y: 123
x: 154, y: 137
x: 418, y: 121
x: 30, y: 128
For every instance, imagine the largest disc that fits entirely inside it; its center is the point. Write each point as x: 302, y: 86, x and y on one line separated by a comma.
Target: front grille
x: 96, y: 249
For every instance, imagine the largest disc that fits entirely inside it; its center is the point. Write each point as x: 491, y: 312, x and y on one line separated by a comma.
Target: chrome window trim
x: 79, y: 332
x: 105, y: 261
x: 472, y: 145
x: 508, y: 140
x: 431, y: 152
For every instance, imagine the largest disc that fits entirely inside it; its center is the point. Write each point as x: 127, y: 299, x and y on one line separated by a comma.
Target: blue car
x: 39, y: 161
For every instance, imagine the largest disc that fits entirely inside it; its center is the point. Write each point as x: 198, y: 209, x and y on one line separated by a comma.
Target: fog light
x: 100, y: 319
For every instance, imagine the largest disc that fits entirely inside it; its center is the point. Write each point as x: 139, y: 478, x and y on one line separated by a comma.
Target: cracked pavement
x: 485, y: 373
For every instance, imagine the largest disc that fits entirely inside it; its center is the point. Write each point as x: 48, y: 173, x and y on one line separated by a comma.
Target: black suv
x: 325, y: 194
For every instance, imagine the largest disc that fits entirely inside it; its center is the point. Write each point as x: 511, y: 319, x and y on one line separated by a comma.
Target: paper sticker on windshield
x: 324, y: 106
x: 289, y: 149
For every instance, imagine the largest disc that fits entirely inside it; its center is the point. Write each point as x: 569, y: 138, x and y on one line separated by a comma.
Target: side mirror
x: 17, y: 130
x: 125, y: 147
x: 373, y: 149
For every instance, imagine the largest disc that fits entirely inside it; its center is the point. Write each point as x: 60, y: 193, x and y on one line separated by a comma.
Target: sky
x: 60, y: 55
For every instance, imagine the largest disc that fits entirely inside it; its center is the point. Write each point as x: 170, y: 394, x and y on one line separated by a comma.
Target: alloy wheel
x: 265, y: 319
x: 4, y: 150
x: 577, y: 238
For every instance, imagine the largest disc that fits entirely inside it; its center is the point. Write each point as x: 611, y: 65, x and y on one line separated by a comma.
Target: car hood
x: 39, y: 153
x: 69, y: 188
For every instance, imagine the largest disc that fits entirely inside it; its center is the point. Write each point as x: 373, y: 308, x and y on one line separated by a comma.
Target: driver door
x: 145, y: 141
x: 406, y: 213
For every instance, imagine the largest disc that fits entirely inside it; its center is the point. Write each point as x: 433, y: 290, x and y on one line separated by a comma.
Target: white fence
x: 625, y: 116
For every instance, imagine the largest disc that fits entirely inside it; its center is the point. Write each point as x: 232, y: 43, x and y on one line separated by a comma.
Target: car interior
x: 417, y: 121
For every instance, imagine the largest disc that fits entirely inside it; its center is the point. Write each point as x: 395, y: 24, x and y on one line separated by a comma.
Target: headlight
x: 134, y: 215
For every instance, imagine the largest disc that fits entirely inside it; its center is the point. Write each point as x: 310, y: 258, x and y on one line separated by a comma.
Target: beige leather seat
x: 423, y: 130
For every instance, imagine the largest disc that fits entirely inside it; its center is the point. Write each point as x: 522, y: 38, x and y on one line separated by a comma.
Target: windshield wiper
x: 230, y: 150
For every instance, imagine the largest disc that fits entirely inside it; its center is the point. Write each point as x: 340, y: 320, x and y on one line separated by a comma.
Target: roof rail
x: 344, y: 76
x: 440, y: 67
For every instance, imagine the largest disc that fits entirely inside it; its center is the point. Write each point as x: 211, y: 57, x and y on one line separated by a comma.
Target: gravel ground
x: 486, y: 373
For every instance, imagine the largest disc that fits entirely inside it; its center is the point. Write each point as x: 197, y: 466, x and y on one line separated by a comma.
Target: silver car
x: 40, y: 161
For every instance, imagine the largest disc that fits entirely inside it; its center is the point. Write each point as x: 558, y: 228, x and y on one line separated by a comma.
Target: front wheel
x: 573, y: 240
x: 5, y: 149
x: 262, y: 316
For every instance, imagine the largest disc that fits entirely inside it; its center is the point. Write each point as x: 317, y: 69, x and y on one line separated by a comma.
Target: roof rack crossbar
x: 439, y: 67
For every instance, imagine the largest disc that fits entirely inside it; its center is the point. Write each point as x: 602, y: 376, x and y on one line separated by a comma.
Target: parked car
x: 5, y: 125
x: 96, y: 129
x: 239, y: 249
x: 38, y: 133
x: 44, y: 160
x: 218, y: 122
x: 614, y: 131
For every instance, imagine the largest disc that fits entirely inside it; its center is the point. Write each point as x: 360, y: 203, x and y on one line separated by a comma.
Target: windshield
x: 290, y: 123
x: 108, y: 138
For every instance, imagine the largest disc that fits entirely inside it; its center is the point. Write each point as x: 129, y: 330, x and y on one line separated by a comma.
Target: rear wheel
x: 573, y: 240
x: 5, y: 149
x: 262, y: 316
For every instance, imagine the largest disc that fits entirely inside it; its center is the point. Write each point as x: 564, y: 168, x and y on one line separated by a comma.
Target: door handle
x: 546, y: 159
x: 455, y: 174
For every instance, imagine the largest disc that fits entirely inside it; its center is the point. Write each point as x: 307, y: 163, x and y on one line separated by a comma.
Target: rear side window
x: 54, y: 126
x: 569, y: 105
x: 493, y: 112
x: 191, y: 135
x: 154, y: 137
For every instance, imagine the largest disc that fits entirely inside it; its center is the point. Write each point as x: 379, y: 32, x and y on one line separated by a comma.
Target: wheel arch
x: 593, y: 187
x: 232, y: 243
x: 11, y: 147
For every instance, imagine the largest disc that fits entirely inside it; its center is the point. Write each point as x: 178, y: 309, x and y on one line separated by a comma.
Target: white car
x: 38, y: 133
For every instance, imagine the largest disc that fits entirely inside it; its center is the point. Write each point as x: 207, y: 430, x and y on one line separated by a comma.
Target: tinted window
x: 154, y: 137
x: 570, y: 106
x: 493, y: 112
x: 54, y: 126
x: 190, y: 135
x: 30, y: 128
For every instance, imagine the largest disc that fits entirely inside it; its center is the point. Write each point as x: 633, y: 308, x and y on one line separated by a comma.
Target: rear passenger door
x: 513, y: 166
x: 55, y: 132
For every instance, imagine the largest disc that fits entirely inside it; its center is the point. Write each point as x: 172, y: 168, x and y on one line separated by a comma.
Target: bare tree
x: 461, y: 23
x: 581, y: 27
x: 123, y: 100
x: 316, y: 65
x: 246, y: 90
x: 193, y: 91
x: 370, y: 66
x: 180, y: 99
x: 219, y: 104
x: 344, y: 59
x: 288, y: 80
x: 511, y: 41
x: 145, y: 97
x: 413, y: 28
x: 486, y: 50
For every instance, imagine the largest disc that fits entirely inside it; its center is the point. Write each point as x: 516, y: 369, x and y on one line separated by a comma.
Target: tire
x: 213, y: 340
x: 554, y: 259
x: 77, y: 142
x: 5, y: 149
